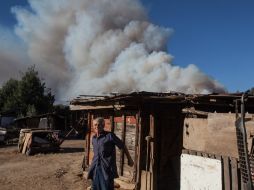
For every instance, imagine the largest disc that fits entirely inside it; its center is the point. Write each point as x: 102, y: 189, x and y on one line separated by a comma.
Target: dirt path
x: 52, y: 171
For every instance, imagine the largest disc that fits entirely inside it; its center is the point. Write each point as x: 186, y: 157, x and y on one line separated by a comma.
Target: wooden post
x: 226, y: 173
x: 65, y: 123
x: 123, y: 139
x: 136, y: 147
x: 112, y: 122
x: 76, y: 117
x: 71, y: 119
x: 138, y: 151
x: 153, y: 167
x: 88, y: 138
x: 234, y: 172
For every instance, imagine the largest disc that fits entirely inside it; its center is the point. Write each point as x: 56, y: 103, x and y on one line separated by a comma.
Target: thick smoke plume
x: 12, y: 57
x: 102, y: 46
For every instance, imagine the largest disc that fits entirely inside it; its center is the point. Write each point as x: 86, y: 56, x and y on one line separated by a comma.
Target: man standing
x: 103, y: 169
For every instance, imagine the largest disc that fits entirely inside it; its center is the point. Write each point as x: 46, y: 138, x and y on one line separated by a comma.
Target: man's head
x: 98, y: 125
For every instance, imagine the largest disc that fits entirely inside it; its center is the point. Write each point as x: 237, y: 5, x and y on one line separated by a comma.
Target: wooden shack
x: 161, y: 130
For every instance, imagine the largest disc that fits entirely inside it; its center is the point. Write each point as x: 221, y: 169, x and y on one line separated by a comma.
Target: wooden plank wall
x: 118, y: 131
x: 127, y: 133
x: 231, y: 176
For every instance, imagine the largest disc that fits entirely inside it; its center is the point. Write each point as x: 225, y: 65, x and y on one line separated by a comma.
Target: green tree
x: 8, y: 95
x: 29, y: 96
x: 33, y: 92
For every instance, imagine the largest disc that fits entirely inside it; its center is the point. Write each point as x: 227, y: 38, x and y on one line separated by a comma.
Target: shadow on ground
x: 70, y: 150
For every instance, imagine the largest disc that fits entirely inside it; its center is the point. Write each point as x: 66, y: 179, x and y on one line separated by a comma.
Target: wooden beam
x: 226, y: 173
x: 153, y: 166
x: 138, y: 151
x: 81, y: 107
x: 193, y: 111
x: 112, y: 122
x: 88, y: 137
x: 234, y: 172
x: 123, y: 139
x: 136, y: 147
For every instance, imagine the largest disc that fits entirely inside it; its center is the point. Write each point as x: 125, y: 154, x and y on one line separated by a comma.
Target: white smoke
x: 102, y: 46
x: 12, y: 58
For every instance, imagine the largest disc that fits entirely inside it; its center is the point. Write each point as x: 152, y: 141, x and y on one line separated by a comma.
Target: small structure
x: 33, y: 141
x: 49, y: 121
x: 174, y: 138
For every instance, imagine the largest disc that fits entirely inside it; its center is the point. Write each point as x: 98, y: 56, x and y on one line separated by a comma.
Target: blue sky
x: 215, y: 35
x: 6, y: 17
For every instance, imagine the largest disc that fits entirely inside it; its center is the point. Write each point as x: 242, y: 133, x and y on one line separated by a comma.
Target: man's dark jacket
x: 105, y: 155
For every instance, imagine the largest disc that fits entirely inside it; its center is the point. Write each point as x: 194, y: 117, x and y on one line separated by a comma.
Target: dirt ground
x: 61, y: 171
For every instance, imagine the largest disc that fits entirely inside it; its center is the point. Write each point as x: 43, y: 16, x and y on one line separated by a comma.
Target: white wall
x: 200, y: 173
